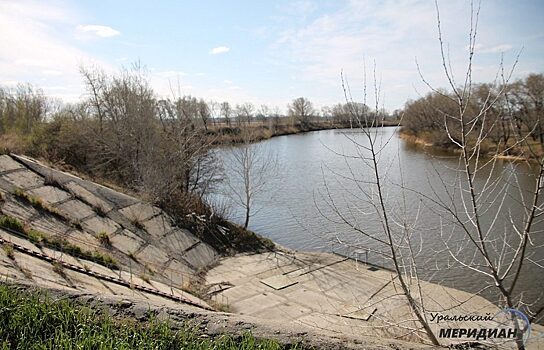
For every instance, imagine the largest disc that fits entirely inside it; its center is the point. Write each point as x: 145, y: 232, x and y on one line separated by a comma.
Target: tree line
x: 511, y: 112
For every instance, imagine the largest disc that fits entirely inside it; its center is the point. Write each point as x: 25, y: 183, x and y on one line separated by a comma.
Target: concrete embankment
x: 104, y: 248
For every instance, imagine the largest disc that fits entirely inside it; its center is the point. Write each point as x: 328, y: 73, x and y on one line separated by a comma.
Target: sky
x: 266, y: 52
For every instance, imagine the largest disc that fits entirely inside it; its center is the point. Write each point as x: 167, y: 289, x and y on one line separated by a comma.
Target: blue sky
x: 264, y: 52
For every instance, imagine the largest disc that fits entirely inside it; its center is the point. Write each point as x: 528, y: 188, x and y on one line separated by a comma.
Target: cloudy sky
x: 265, y: 52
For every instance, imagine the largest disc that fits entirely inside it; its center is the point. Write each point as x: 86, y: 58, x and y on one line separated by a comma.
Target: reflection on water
x: 296, y: 210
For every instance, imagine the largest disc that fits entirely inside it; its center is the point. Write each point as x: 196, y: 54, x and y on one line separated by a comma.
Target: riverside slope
x: 321, y: 300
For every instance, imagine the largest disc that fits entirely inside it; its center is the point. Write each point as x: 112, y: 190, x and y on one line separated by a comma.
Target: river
x: 295, y: 209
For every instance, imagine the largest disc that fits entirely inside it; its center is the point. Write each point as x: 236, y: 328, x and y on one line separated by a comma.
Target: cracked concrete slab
x: 24, y: 179
x: 179, y: 240
x: 49, y: 194
x: 139, y: 212
x: 7, y: 163
x: 179, y: 273
x: 18, y: 210
x: 201, y: 255
x: 75, y: 209
x: 126, y: 241
x: 153, y: 256
x: 19, y: 241
x: 97, y: 224
x: 87, y: 196
x: 158, y: 226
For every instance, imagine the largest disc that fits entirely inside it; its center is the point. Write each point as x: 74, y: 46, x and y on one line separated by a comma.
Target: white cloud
x: 34, y: 52
x: 219, y: 49
x: 493, y: 49
x: 228, y: 82
x: 98, y: 30
x: 391, y: 33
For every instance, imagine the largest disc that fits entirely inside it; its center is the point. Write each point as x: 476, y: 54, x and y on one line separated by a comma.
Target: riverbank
x: 165, y: 272
x: 263, y: 131
x: 518, y: 154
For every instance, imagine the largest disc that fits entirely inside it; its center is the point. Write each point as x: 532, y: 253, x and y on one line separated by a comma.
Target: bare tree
x: 226, y: 112
x: 204, y: 112
x: 249, y: 167
x: 395, y: 239
x: 476, y: 202
x: 301, y: 109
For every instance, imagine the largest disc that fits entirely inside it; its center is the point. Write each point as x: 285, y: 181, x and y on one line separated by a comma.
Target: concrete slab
x: 49, y: 224
x: 92, y: 266
x: 40, y: 270
x: 256, y: 303
x: 82, y: 239
x: 87, y: 196
x: 139, y: 212
x: 315, y: 300
x: 23, y: 212
x: 152, y: 256
x: 19, y: 241
x: 177, y: 272
x: 126, y: 241
x: 97, y: 224
x: 75, y: 209
x: 245, y: 291
x: 179, y: 240
x: 62, y: 256
x: 24, y: 179
x: 49, y: 194
x: 7, y: 164
x: 86, y: 283
x: 287, y: 312
x: 158, y: 226
x: 279, y: 282
x: 200, y: 256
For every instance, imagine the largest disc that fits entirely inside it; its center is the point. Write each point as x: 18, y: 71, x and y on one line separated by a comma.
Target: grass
x: 32, y: 320
x: 36, y: 203
x: 39, y: 205
x: 8, y: 249
x: 104, y: 238
x: 41, y: 239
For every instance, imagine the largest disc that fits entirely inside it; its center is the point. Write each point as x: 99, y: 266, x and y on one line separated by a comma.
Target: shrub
x: 12, y: 223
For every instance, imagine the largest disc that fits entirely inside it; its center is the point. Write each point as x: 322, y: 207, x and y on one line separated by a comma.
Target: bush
x: 12, y: 223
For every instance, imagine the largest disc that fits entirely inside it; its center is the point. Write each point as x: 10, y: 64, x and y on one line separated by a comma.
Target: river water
x: 309, y: 201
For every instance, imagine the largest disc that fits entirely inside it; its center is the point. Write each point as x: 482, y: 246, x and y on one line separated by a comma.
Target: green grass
x: 41, y: 239
x: 32, y: 320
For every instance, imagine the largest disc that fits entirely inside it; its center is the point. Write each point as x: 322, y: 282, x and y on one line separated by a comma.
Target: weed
x: 8, y: 249
x: 132, y: 255
x: 104, y: 238
x: 12, y: 223
x: 35, y: 237
x: 26, y: 272
x: 59, y: 269
x: 77, y: 224
x: 104, y: 259
x: 138, y: 224
x: 219, y: 306
x: 149, y: 270
x: 145, y: 278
